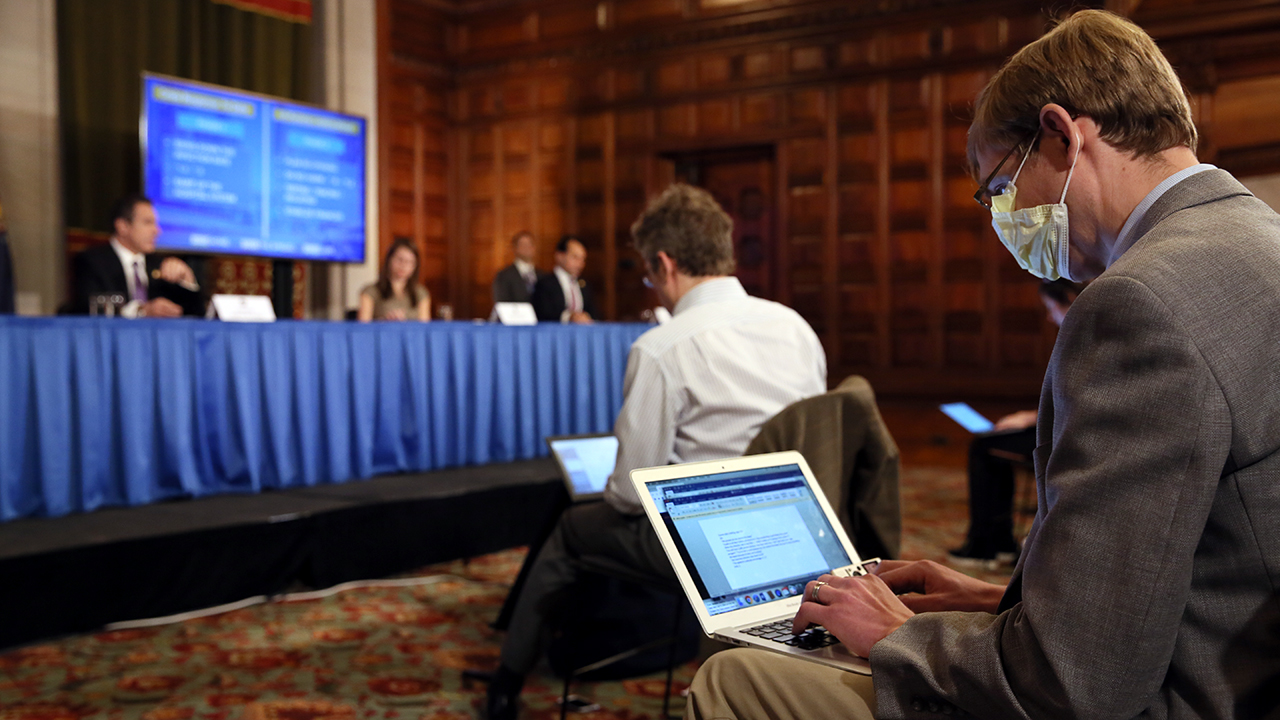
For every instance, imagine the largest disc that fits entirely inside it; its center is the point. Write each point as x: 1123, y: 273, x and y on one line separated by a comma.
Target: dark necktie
x: 139, y: 287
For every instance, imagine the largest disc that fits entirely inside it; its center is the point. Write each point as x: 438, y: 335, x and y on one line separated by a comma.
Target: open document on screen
x: 749, y: 537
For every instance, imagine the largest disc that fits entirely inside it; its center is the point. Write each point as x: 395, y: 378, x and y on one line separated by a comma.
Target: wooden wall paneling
x: 610, y: 239
x: 557, y: 122
x: 593, y: 192
x: 460, y: 257
x: 520, y: 183
x: 571, y: 180
x: 782, y: 253
x: 629, y: 13
x: 909, y: 223
x: 562, y: 22
x: 419, y: 192
x: 483, y: 198
x: 831, y: 232
x: 495, y: 192
x: 385, y: 125
x: 858, y: 193
x: 1246, y: 112
x: 805, y: 233
x: 635, y: 180
x: 550, y: 173
x: 452, y: 223
x: 413, y: 31
x: 884, y: 338
x: 415, y: 190
x: 936, y: 222
x: 1202, y: 107
x: 973, y: 259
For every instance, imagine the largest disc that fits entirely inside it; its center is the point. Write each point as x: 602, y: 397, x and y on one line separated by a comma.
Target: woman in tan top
x: 397, y: 294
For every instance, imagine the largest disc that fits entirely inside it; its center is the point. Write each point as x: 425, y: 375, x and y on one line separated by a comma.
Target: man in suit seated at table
x: 562, y: 295
x: 1151, y: 570
x: 129, y: 266
x: 515, y: 282
x: 696, y: 388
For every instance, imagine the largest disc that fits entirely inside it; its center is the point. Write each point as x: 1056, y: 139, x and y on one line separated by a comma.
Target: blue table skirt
x: 114, y: 412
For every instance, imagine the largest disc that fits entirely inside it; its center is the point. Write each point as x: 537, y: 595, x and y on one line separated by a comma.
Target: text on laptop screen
x: 748, y: 537
x: 588, y: 461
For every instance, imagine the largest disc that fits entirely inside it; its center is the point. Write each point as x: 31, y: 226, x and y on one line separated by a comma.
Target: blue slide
x: 237, y: 173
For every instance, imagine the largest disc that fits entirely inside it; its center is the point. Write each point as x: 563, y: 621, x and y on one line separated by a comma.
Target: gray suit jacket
x: 508, y: 286
x: 1156, y: 547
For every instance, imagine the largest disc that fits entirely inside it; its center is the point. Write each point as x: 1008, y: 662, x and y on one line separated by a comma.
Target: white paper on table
x: 242, y: 308
x: 515, y: 313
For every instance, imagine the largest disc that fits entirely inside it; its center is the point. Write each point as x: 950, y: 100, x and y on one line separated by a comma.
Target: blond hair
x: 689, y: 226
x: 1093, y: 63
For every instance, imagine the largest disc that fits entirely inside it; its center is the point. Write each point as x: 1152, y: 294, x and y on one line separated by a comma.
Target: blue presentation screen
x: 233, y: 172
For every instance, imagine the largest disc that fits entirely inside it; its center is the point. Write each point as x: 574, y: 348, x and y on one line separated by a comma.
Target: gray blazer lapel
x: 1206, y: 187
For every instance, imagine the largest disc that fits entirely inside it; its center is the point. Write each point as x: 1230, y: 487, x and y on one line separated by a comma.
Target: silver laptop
x: 586, y: 462
x: 745, y: 536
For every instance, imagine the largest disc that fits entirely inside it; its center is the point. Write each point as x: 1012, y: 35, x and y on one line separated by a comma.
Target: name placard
x: 242, y: 308
x: 515, y: 313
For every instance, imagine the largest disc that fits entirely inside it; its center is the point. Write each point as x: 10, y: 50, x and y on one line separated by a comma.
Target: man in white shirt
x: 515, y: 282
x: 123, y: 266
x: 697, y: 388
x: 563, y: 296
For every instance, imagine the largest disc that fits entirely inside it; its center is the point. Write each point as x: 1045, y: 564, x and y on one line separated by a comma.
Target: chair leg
x: 564, y: 696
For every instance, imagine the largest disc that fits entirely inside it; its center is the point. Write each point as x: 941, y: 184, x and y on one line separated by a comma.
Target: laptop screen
x: 587, y: 461
x: 748, y: 537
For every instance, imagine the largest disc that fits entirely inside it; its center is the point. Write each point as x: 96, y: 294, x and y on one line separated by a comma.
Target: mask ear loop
x: 1014, y: 180
x: 1070, y: 172
x: 1064, y: 244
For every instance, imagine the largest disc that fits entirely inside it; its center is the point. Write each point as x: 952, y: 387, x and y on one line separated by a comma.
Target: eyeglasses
x: 984, y: 194
x: 647, y: 282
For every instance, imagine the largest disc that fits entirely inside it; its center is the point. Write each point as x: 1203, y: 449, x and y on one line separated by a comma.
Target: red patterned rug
x: 393, y: 652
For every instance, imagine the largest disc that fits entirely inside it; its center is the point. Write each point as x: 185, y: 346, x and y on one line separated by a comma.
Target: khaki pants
x: 750, y: 684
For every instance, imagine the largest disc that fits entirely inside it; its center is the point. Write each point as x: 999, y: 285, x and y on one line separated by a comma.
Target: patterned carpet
x: 372, y: 652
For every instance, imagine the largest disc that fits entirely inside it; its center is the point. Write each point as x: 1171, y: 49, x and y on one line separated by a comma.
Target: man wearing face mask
x: 1155, y: 548
x: 697, y: 388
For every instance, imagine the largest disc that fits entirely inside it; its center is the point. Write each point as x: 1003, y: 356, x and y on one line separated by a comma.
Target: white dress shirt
x: 131, y: 260
x: 1124, y: 239
x: 572, y: 294
x: 700, y: 386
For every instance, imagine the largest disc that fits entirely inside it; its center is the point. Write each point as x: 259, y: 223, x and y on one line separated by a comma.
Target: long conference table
x: 105, y: 412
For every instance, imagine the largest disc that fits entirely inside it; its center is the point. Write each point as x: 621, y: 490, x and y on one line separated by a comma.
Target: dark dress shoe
x: 503, y: 699
x: 502, y: 705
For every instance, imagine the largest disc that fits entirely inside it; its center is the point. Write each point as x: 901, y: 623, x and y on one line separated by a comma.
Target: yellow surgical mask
x: 1036, y: 236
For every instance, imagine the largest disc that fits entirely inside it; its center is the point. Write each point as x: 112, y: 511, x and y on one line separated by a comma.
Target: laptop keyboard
x: 813, y: 638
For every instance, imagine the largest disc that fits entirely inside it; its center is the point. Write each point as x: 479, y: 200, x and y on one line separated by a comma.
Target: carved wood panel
x: 566, y: 116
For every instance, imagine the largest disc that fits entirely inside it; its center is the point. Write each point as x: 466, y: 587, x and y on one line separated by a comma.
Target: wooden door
x: 743, y: 183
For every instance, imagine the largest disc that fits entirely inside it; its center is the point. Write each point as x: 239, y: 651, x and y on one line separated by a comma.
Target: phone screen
x: 969, y: 419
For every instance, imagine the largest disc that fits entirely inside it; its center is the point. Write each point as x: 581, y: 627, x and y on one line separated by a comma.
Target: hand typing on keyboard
x: 781, y: 632
x: 860, y: 611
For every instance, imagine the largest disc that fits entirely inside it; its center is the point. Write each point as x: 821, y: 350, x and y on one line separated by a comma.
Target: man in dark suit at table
x: 562, y: 295
x: 515, y: 282
x: 128, y: 265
